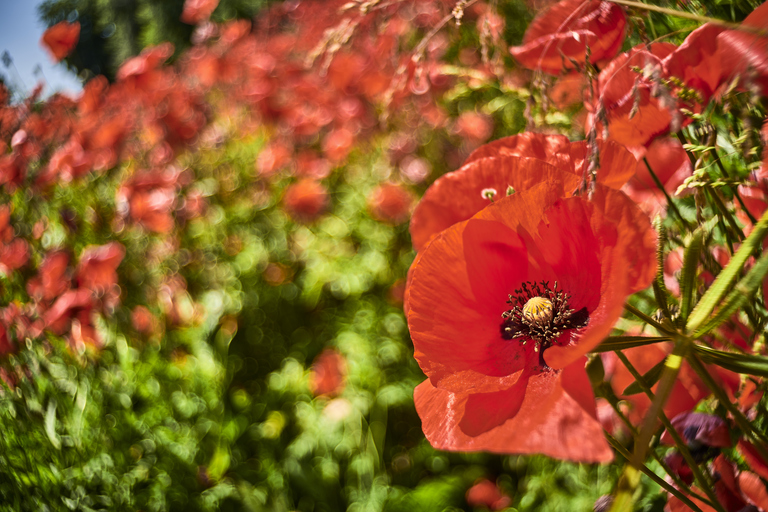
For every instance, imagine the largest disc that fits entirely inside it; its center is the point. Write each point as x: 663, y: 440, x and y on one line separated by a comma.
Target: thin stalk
x: 725, y: 213
x: 653, y: 476
x: 650, y: 321
x: 722, y: 397
x: 691, y: 16
x: 698, y: 475
x: 671, y: 204
x: 735, y: 190
x: 613, y: 400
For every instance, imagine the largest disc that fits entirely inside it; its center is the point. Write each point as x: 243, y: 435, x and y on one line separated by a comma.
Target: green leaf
x: 612, y: 343
x: 728, y: 276
x: 650, y: 378
x: 740, y: 295
x: 688, y: 273
x: 739, y: 363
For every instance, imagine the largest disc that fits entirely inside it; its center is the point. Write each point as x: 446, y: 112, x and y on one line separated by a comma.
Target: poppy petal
x: 549, y: 421
x: 558, y: 39
x: 459, y: 195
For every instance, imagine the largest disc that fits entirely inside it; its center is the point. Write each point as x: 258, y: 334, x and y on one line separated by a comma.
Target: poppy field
x: 407, y: 255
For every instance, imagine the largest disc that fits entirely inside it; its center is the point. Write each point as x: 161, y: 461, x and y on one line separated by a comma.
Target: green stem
x: 653, y: 476
x: 613, y: 400
x: 726, y: 213
x: 735, y: 190
x: 650, y: 321
x: 691, y: 16
x: 670, y: 203
x: 657, y: 411
x: 722, y: 397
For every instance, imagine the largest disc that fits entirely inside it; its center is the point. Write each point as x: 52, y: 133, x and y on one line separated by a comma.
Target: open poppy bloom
x: 558, y: 39
x: 503, y: 308
x: 61, y: 39
x: 514, y: 163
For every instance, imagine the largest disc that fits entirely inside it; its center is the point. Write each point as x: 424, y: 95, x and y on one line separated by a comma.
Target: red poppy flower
x: 149, y: 197
x: 557, y: 40
x: 328, y: 374
x: 72, y: 313
x: 696, y: 62
x: 521, y: 162
x: 305, y: 200
x: 671, y: 165
x: 487, y: 494
x: 196, y: 11
x: 700, y: 431
x: 97, y: 268
x: 634, y: 110
x: 734, y: 491
x: 390, y: 203
x: 61, y: 39
x: 687, y: 391
x: 746, y: 54
x: 52, y: 278
x: 502, y: 309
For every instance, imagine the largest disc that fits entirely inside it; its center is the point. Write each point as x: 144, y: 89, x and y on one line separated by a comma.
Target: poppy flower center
x: 540, y: 314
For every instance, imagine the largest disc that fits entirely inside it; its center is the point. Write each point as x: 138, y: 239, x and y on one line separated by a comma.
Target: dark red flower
x: 701, y: 432
x: 391, y: 203
x: 520, y: 162
x: 61, y: 39
x: 328, y: 373
x: 557, y: 40
x: 487, y: 494
x: 305, y: 200
x: 504, y: 306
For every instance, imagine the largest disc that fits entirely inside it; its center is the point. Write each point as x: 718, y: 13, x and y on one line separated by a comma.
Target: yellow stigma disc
x: 538, y: 310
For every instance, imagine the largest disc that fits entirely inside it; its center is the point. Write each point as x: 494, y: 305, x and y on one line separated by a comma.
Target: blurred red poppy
x: 149, y: 197
x: 696, y: 62
x: 196, y: 11
x: 558, y: 39
x: 520, y: 162
x: 52, y: 279
x: 328, y: 373
x: 487, y: 494
x: 305, y: 200
x: 61, y: 39
x: 669, y: 163
x: 71, y: 314
x: 745, y: 54
x: 502, y: 309
x: 391, y: 203
x: 635, y: 110
x: 97, y: 269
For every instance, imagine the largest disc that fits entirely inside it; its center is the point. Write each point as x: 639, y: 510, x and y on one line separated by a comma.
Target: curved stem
x: 691, y: 16
x: 701, y: 479
x: 653, y: 476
